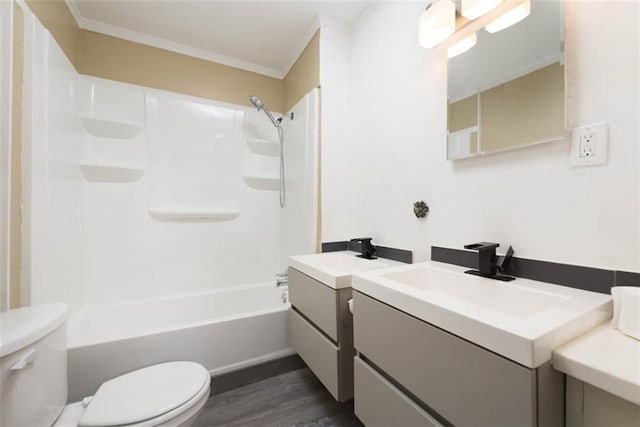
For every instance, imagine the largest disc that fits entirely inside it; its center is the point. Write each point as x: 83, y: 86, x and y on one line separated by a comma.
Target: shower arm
x: 260, y: 106
x: 276, y: 122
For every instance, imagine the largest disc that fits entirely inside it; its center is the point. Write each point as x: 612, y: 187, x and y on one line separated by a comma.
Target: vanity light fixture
x: 513, y: 16
x: 462, y: 46
x: 472, y: 9
x: 437, y: 23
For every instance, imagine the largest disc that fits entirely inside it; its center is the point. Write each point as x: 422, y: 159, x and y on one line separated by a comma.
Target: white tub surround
x: 299, y: 217
x: 133, y: 192
x: 523, y: 320
x: 223, y: 330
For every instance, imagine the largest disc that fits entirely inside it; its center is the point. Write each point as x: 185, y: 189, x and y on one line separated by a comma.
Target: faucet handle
x: 503, y: 262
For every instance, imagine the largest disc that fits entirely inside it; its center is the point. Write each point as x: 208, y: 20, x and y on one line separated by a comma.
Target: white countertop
x: 603, y: 357
x: 335, y: 269
x: 523, y: 320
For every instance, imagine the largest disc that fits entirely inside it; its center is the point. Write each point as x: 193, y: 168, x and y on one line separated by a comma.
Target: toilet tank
x: 33, y: 365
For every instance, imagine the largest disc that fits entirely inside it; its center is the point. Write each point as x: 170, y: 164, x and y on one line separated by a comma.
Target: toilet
x: 33, y: 381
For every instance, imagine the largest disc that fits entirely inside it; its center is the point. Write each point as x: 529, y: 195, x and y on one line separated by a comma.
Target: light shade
x: 513, y: 16
x: 472, y: 9
x: 462, y: 46
x: 437, y: 23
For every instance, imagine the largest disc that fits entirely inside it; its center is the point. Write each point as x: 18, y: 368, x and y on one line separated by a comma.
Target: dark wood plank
x: 236, y: 379
x: 295, y: 398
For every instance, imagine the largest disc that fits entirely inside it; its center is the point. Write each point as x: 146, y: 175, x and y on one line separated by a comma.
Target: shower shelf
x: 264, y: 147
x: 106, y: 128
x: 262, y: 182
x: 173, y: 214
x: 100, y: 172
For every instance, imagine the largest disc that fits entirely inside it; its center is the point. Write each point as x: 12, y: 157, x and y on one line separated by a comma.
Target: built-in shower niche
x: 263, y: 147
x: 113, y: 119
x: 260, y: 168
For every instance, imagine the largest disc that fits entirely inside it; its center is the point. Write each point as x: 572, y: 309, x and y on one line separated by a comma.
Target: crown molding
x: 145, y: 39
x: 73, y: 8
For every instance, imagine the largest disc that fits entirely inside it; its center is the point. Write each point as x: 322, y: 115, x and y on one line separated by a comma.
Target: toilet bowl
x: 166, y: 394
x: 34, y: 383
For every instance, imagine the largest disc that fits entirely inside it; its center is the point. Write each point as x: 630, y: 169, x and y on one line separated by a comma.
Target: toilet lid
x: 144, y: 394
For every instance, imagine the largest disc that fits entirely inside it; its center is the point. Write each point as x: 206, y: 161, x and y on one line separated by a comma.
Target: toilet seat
x: 148, y: 396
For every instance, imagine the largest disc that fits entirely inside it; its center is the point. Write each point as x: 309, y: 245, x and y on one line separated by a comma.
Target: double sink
x: 430, y: 345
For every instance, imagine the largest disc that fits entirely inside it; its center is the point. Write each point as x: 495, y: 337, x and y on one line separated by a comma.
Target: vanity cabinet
x: 320, y: 329
x: 588, y: 405
x: 419, y: 374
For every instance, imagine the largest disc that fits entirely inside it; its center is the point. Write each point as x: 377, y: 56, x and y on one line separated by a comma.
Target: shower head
x: 260, y: 106
x: 256, y: 102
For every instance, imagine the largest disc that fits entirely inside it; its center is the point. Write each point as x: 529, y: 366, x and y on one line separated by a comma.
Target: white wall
x: 336, y: 140
x: 529, y: 198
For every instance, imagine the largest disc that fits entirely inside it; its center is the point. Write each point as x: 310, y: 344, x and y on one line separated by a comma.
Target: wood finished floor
x: 296, y: 398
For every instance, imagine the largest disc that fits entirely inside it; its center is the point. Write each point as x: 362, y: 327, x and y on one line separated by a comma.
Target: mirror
x: 508, y: 90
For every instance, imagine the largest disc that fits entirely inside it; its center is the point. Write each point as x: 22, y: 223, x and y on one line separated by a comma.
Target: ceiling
x: 260, y: 36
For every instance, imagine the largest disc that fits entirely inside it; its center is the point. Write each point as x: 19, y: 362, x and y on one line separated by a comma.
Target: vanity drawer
x: 316, y: 300
x: 319, y: 353
x: 378, y: 403
x: 464, y: 383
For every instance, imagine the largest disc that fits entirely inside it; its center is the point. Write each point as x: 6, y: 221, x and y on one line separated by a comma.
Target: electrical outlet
x: 589, y: 145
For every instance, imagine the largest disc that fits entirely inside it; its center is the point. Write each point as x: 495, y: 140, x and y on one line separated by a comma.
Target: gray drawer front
x: 316, y: 300
x: 378, y: 403
x: 464, y: 383
x: 319, y: 353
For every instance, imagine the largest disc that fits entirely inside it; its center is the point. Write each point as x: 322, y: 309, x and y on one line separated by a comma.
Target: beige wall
x: 117, y: 59
x: 463, y: 114
x: 15, y: 244
x: 122, y: 60
x: 304, y: 75
x: 523, y: 111
x: 56, y: 17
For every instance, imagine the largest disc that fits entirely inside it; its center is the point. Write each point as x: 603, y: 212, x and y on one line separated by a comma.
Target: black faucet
x: 367, y: 250
x: 490, y: 265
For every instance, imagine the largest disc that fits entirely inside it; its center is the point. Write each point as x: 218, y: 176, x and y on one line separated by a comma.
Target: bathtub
x: 224, y: 330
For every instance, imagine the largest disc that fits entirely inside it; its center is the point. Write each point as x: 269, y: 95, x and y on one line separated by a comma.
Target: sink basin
x: 334, y: 269
x: 512, y: 300
x: 523, y: 320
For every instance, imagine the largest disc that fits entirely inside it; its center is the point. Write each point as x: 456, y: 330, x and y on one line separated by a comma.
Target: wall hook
x: 420, y: 209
